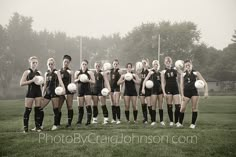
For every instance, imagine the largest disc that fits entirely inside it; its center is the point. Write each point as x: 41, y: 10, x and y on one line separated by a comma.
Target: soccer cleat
x: 178, y: 125
x: 54, y: 127
x: 79, y: 125
x: 94, y: 121
x: 162, y: 123
x: 105, y: 121
x: 39, y: 130
x: 34, y: 129
x: 192, y: 126
x: 68, y: 126
x: 113, y: 121
x: 145, y: 121
x: 171, y: 124
x: 153, y: 123
x: 88, y: 123
x: 118, y: 122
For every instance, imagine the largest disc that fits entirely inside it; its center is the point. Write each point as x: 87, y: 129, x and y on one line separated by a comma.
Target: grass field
x: 215, y: 134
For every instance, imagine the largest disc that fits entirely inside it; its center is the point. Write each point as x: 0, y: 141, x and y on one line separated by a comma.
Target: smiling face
x: 51, y: 64
x: 66, y: 63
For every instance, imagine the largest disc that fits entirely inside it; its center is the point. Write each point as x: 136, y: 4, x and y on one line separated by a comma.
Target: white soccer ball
x: 128, y: 76
x: 139, y: 65
x: 83, y: 78
x: 199, y: 84
x: 105, y: 92
x: 72, y: 87
x: 59, y: 91
x: 38, y: 80
x: 149, y: 84
x: 107, y: 66
x: 179, y: 64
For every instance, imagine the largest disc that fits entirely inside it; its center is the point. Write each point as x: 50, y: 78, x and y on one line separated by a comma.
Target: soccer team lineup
x: 144, y: 84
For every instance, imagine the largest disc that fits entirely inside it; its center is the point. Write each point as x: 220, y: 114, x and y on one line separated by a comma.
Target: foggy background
x: 203, y: 31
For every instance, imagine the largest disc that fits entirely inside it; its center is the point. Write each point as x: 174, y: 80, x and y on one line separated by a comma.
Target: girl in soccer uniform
x: 52, y: 81
x: 130, y: 93
x: 156, y: 92
x: 170, y: 89
x: 33, y: 95
x: 115, y: 92
x: 84, y: 92
x: 145, y: 98
x: 67, y: 76
x: 190, y: 92
x: 101, y: 81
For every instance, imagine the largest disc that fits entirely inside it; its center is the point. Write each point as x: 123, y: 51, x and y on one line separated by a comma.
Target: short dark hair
x: 128, y: 65
x: 187, y: 61
x: 84, y: 60
x: 115, y: 60
x: 67, y: 57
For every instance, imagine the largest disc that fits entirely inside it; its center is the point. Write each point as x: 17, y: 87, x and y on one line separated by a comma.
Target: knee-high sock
x: 81, y: 114
x: 161, y: 114
x: 144, y: 109
x: 37, y: 117
x: 41, y: 115
x: 150, y: 111
x: 59, y: 118
x: 177, y: 111
x: 26, y: 117
x: 113, y: 108
x: 181, y: 117
x: 105, y: 111
x: 135, y: 114
x: 89, y: 113
x: 170, y: 112
x: 194, y: 117
x: 154, y: 115
x: 127, y: 115
x: 95, y: 111
x: 70, y: 116
x: 118, y: 112
x: 56, y: 116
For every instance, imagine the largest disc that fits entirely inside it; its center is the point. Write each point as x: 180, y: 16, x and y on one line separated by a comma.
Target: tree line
x: 18, y: 41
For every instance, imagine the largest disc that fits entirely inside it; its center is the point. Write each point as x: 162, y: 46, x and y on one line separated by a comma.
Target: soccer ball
x: 128, y: 76
x: 83, y: 78
x: 179, y: 64
x: 199, y: 84
x: 38, y: 80
x: 105, y: 92
x: 139, y: 65
x: 71, y: 87
x: 59, y: 91
x: 107, y: 66
x: 149, y: 84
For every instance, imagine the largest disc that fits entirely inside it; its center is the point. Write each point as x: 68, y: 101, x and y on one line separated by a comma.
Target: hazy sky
x: 216, y: 19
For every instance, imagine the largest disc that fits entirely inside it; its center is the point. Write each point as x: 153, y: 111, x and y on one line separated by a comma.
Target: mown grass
x: 215, y: 134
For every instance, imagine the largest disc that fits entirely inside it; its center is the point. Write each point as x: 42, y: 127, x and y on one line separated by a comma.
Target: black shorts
x: 156, y: 91
x: 130, y: 93
x: 190, y: 93
x: 116, y: 89
x: 68, y: 92
x: 148, y: 92
x: 83, y: 92
x: 34, y: 93
x: 96, y: 92
x: 50, y: 94
x: 172, y: 90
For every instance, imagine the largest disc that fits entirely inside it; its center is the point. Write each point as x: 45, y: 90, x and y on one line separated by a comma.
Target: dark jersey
x: 66, y: 76
x: 189, y: 80
x: 171, y: 77
x: 156, y: 78
x: 84, y: 87
x: 115, y: 76
x: 33, y: 88
x: 99, y: 80
x: 51, y: 80
x: 130, y: 89
x: 144, y: 74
